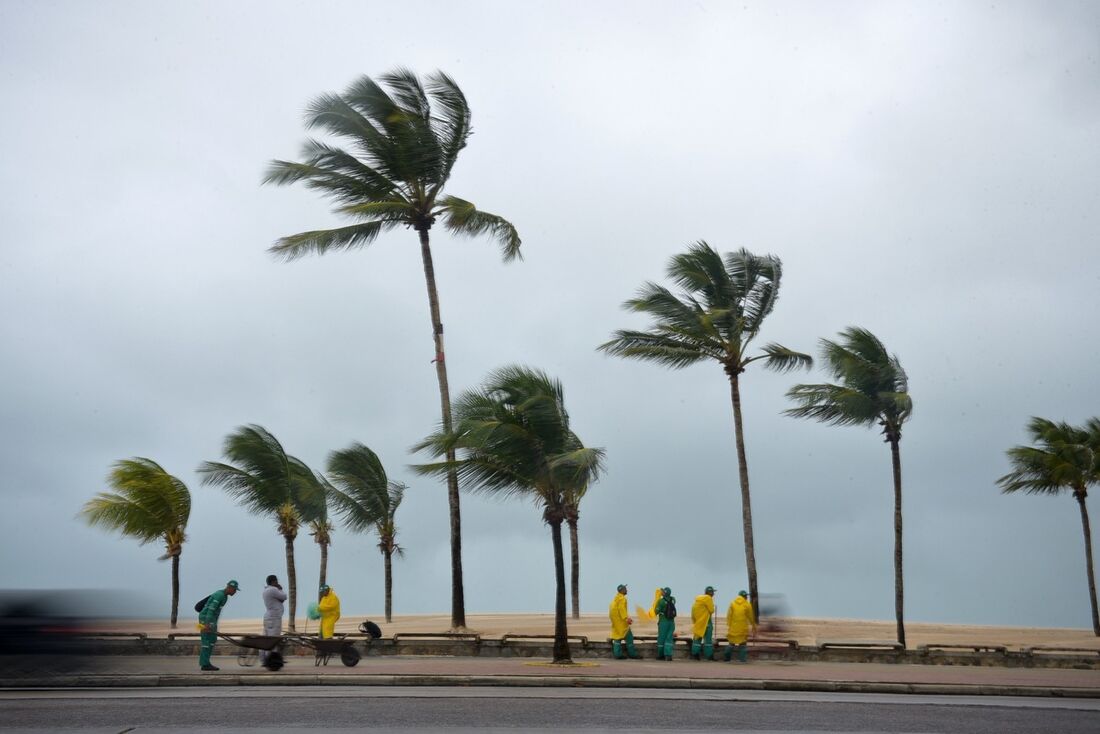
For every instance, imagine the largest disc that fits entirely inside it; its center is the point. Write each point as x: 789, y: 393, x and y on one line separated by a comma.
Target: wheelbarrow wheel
x: 349, y: 656
x: 274, y: 661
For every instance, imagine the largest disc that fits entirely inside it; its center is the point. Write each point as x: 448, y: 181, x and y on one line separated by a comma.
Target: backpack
x: 202, y: 602
x: 670, y: 608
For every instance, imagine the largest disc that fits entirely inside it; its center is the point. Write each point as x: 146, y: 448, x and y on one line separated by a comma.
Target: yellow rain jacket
x: 738, y: 620
x: 618, y: 614
x: 329, y: 607
x: 701, y: 612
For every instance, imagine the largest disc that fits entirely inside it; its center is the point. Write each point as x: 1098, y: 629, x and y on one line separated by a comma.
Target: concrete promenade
x: 429, y: 670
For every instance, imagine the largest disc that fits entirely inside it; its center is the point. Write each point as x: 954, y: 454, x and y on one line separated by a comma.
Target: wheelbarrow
x: 250, y: 647
x: 325, y: 647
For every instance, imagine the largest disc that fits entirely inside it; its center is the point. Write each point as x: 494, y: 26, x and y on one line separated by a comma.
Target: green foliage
x: 873, y: 386
x: 402, y: 139
x: 513, y: 438
x: 1064, y: 458
x: 721, y: 309
x: 364, y: 496
x: 265, y: 480
x: 147, y: 503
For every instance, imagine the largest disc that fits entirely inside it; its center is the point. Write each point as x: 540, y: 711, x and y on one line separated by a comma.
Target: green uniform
x: 666, y: 628
x: 209, y: 616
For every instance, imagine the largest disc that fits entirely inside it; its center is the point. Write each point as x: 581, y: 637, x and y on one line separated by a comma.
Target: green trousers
x: 742, y: 651
x: 206, y: 646
x: 666, y: 631
x: 704, y: 643
x: 617, y: 647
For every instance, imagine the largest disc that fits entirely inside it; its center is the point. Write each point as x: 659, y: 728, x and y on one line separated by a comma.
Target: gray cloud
x: 926, y: 172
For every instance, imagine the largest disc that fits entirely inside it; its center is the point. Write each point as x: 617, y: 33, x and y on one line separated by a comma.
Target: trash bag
x: 370, y: 628
x: 313, y: 611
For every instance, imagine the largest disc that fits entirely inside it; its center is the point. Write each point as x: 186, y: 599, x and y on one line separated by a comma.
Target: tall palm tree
x: 265, y: 480
x: 513, y: 439
x: 573, y: 499
x: 403, y: 143
x: 721, y: 310
x: 1064, y: 459
x: 367, y: 500
x: 149, y: 504
x: 873, y: 390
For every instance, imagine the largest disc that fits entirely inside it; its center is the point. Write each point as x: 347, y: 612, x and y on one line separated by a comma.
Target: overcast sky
x: 929, y: 171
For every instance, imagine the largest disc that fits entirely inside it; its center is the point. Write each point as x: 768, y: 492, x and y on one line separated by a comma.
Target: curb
x: 190, y: 680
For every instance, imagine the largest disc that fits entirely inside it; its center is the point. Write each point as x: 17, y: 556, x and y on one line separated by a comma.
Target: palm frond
x: 147, y: 503
x: 323, y: 240
x: 835, y: 405
x: 781, y: 359
x: 462, y: 217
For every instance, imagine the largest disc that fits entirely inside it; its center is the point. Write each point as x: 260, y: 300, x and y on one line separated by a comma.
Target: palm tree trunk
x: 175, y: 588
x: 291, y: 581
x: 324, y: 569
x: 458, y: 602
x: 389, y: 585
x: 561, y: 632
x: 1080, y: 496
x: 575, y: 569
x: 746, y: 502
x: 899, y: 582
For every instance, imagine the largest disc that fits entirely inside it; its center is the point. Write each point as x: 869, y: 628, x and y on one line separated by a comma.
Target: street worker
x: 666, y: 624
x: 208, y: 622
x: 274, y: 597
x: 702, y: 625
x: 620, y: 626
x: 738, y: 620
x: 329, y: 607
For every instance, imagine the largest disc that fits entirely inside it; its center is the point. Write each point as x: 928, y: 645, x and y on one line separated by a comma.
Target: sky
x: 927, y: 170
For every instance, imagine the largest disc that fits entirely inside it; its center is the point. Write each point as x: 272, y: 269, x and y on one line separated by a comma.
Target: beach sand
x: 596, y: 627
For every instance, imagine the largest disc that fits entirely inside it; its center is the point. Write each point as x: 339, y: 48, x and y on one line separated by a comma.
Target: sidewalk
x: 390, y: 670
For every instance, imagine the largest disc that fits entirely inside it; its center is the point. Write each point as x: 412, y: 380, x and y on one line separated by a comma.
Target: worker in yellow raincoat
x: 620, y: 626
x: 329, y: 607
x: 702, y: 625
x: 738, y: 620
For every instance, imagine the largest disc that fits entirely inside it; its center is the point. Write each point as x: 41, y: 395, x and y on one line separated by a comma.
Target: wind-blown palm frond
x: 147, y: 503
x: 873, y: 386
x: 1063, y: 460
x: 361, y: 487
x: 462, y: 217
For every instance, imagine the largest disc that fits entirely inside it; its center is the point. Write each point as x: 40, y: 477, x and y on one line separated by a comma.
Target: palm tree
x: 404, y: 143
x: 321, y: 529
x: 368, y: 500
x: 267, y: 481
x: 1064, y: 458
x: 873, y: 389
x: 514, y: 438
x: 721, y: 310
x: 573, y: 499
x: 149, y: 504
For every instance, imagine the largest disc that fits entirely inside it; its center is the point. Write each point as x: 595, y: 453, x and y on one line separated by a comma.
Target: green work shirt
x: 213, y: 609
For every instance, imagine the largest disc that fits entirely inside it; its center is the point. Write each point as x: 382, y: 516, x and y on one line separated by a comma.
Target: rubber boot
x: 728, y: 654
x: 696, y: 647
x: 617, y: 649
x: 631, y: 651
x: 743, y: 652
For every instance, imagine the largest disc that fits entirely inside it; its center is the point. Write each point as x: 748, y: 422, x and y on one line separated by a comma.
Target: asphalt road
x: 336, y: 709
